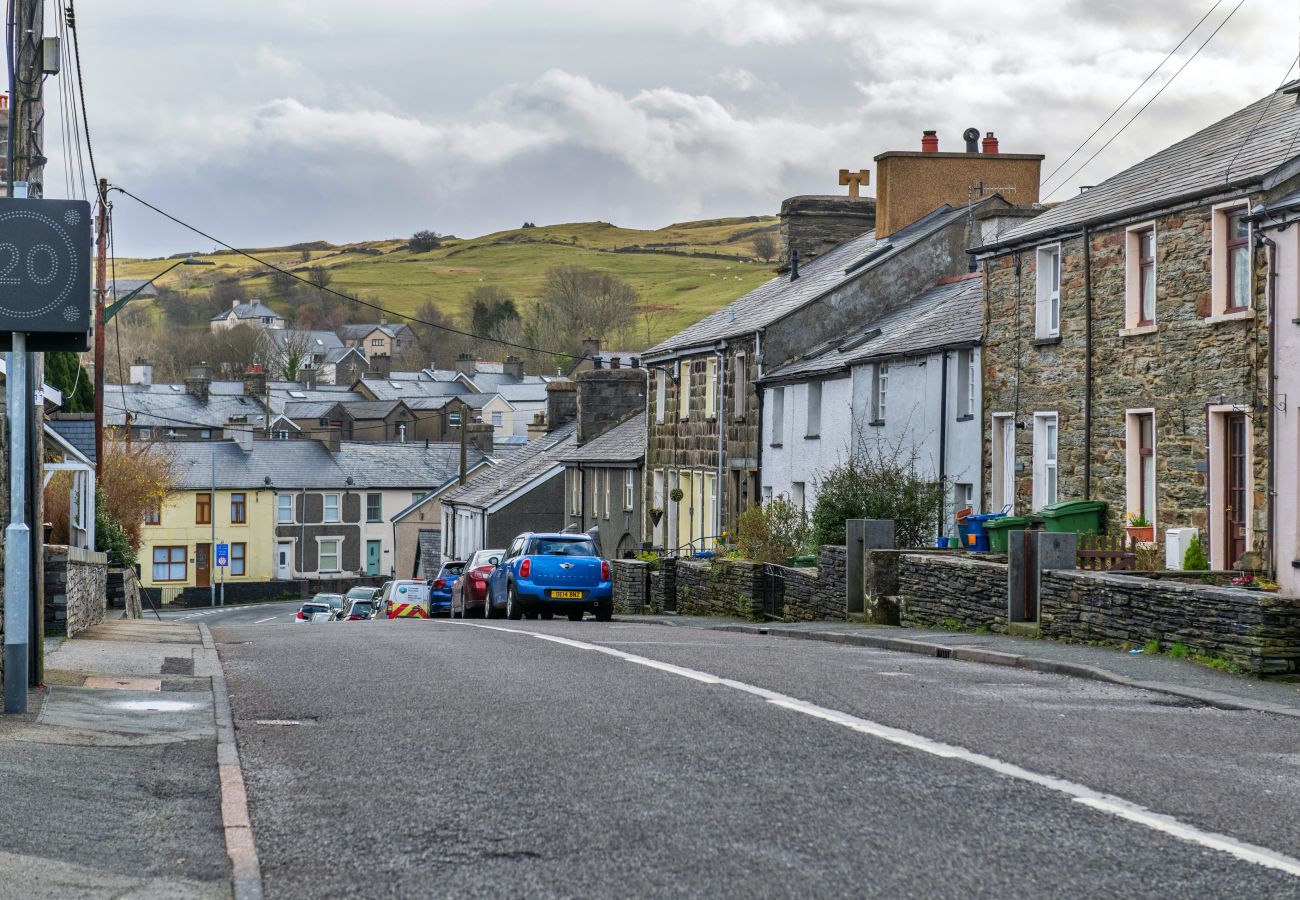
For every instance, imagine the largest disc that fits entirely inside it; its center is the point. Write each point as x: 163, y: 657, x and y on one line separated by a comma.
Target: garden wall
x: 76, y: 589
x: 938, y: 590
x: 817, y: 594
x: 720, y: 587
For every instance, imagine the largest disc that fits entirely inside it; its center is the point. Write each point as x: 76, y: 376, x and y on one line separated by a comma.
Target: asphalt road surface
x: 280, y: 613
x: 440, y: 758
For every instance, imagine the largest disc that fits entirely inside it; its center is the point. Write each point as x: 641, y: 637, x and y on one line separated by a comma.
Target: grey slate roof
x: 1254, y: 141
x: 386, y: 389
x: 309, y: 409
x: 79, y: 431
x: 625, y: 442
x: 523, y: 393
x: 293, y: 465
x: 356, y: 332
x: 769, y: 302
x: 946, y: 315
x: 254, y: 309
x: 523, y: 465
x: 164, y: 405
x: 313, y: 341
x: 371, y: 409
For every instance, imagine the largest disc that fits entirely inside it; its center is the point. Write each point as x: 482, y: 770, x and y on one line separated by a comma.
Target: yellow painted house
x: 178, y: 540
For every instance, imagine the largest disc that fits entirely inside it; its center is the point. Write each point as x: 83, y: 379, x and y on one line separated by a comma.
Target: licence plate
x: 567, y: 595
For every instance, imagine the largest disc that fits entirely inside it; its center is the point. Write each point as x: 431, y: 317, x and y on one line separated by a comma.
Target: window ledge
x: 777, y: 446
x: 1238, y: 316
x: 812, y: 437
x: 1047, y: 341
x: 966, y: 418
x: 1138, y: 330
x: 875, y: 423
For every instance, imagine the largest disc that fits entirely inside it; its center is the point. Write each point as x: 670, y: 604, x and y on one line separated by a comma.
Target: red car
x: 469, y: 594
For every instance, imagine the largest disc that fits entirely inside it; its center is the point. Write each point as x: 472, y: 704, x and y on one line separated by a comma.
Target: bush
x: 772, y: 532
x: 110, y: 536
x: 1194, y: 560
x: 424, y: 241
x: 878, y: 482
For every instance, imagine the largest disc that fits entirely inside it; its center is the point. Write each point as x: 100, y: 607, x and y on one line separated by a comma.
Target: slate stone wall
x: 76, y: 589
x: 1258, y: 631
x: 934, y: 590
x: 721, y: 587
x: 814, y: 224
x: 663, y: 587
x: 631, y: 585
x: 817, y: 594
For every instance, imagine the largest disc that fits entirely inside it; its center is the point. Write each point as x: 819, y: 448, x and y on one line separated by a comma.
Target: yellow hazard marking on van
x: 408, y: 611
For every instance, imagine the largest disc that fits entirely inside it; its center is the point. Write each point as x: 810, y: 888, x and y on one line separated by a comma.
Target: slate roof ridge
x: 625, y: 442
x: 516, y: 469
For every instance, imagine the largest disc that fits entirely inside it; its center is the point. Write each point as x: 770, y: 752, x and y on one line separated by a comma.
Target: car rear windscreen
x: 561, y: 547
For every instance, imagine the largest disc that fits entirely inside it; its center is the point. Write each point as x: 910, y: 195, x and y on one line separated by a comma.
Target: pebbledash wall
x: 1258, y: 631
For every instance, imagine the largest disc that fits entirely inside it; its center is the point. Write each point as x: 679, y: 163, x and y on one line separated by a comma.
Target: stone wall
x: 937, y: 590
x: 813, y: 224
x: 663, y: 587
x: 252, y: 591
x: 631, y: 585
x: 817, y: 594
x: 76, y: 589
x: 1258, y: 631
x: 720, y: 587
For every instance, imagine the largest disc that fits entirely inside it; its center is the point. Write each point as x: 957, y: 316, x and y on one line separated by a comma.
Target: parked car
x: 440, y: 585
x: 362, y: 593
x: 334, y: 601
x: 542, y: 574
x: 470, y: 593
x: 314, y: 611
x: 359, y: 611
x: 406, y: 599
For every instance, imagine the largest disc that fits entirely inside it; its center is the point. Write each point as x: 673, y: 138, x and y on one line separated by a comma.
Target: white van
x: 406, y: 599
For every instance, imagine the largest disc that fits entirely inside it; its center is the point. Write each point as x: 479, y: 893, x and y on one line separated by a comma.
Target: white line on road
x: 271, y: 619
x: 1116, y: 806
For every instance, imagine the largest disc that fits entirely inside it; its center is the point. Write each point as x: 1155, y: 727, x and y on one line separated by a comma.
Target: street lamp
x: 103, y: 315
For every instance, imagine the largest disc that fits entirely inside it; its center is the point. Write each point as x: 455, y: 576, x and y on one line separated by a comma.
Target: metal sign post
x: 44, y: 305
x: 223, y: 560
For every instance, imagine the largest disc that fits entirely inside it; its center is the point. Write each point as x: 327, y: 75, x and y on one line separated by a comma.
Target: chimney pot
x: 929, y: 142
x: 990, y: 143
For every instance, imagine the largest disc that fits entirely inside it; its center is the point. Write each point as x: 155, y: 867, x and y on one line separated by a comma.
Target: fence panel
x: 1105, y: 553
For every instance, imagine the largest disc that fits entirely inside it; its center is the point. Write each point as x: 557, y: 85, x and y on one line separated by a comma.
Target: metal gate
x: 773, y: 592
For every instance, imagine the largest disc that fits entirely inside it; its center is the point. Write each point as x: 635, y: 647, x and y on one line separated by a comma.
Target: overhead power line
x: 81, y: 87
x: 383, y: 309
x: 1152, y: 99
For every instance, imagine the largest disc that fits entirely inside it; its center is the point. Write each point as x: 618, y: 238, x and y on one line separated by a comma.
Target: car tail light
x: 300, y: 615
x: 525, y: 567
x: 604, y: 570
x: 439, y: 584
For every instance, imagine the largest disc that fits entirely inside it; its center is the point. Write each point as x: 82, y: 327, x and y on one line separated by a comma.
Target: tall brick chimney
x: 479, y: 435
x: 606, y: 397
x: 380, y: 366
x: 198, y: 383
x: 561, y: 404
x: 255, y: 382
x: 813, y: 224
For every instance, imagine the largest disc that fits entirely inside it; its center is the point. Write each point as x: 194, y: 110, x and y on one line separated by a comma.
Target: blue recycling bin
x: 973, y: 535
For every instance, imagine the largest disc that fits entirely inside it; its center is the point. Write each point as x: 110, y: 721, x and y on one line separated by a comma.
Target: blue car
x: 440, y: 586
x: 542, y: 574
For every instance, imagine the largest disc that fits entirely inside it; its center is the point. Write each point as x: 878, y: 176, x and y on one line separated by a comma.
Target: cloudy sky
x: 275, y: 121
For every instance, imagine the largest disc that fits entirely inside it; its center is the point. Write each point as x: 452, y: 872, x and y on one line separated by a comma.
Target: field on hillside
x: 682, y: 272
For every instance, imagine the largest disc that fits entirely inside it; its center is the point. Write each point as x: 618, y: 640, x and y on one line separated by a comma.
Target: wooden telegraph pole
x: 101, y: 289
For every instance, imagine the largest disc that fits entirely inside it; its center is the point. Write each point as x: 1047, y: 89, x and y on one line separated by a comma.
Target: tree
x: 878, y: 481
x: 577, y: 303
x: 424, y: 241
x: 305, y: 255
x: 293, y: 350
x: 764, y: 246
x: 320, y: 276
x: 64, y: 371
x: 283, y: 283
x: 490, y: 307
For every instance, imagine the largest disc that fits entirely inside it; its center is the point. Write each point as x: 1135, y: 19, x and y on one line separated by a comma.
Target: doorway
x: 283, y: 559
x: 1235, y: 510
x: 374, y: 550
x: 202, y: 565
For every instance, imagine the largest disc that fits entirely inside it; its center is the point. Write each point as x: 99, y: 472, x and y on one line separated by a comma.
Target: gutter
x: 758, y: 392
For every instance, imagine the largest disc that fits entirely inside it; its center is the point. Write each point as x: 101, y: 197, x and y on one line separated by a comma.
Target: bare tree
x: 320, y: 276
x: 283, y: 283
x: 577, y: 303
x: 764, y: 246
x: 292, y: 352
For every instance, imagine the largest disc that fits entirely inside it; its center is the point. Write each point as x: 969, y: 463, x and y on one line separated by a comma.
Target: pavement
x: 447, y: 758
x: 1183, y: 678
x: 111, y: 778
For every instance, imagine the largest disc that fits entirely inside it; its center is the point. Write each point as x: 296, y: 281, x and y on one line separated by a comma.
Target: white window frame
x: 1002, y: 457
x: 1134, y: 462
x: 966, y: 381
x: 282, y: 507
x: 241, y: 558
x: 711, y: 387
x: 740, y: 379
x: 879, y: 393
x: 595, y: 493
x: 575, y: 492
x: 607, y: 493
x: 661, y: 395
x: 629, y: 490
x: 1047, y: 446
x: 337, y: 554
x: 325, y: 508
x: 813, y: 425
x: 684, y: 390
x: 658, y: 495
x: 1047, y: 296
x: 498, y: 419
x: 1133, y: 277
x: 778, y: 416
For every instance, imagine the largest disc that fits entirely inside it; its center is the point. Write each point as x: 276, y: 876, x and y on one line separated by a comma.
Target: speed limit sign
x: 45, y: 249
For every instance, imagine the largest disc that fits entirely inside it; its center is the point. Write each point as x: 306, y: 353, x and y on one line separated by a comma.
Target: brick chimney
x: 198, y: 383
x: 910, y: 184
x: 561, y: 404
x: 537, y: 427
x: 514, y: 368
x: 141, y: 372
x: 466, y: 364
x: 606, y: 397
x: 813, y: 224
x: 255, y: 381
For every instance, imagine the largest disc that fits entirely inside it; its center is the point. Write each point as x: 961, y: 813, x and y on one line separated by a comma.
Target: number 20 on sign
x: 45, y: 251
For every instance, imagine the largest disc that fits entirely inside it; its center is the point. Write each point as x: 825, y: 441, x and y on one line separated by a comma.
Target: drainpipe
x: 302, y: 532
x: 943, y: 439
x: 720, y: 375
x: 1087, y: 364
x: 1271, y: 289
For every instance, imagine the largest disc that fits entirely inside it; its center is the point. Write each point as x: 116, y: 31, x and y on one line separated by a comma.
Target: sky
x: 268, y: 122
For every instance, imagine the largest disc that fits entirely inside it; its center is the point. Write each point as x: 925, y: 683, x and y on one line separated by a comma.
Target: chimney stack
x: 142, y: 372
x: 605, y: 398
x: 990, y: 144
x: 561, y: 404
x: 811, y: 225
x: 514, y: 368
x: 466, y: 364
x: 537, y: 427
x: 479, y: 436
x: 929, y: 142
x: 199, y: 382
x: 308, y: 377
x: 380, y: 366
x: 243, y: 436
x: 591, y: 348
x: 255, y: 382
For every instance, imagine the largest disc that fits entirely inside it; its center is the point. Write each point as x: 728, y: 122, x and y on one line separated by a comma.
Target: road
x: 439, y: 758
x: 279, y: 613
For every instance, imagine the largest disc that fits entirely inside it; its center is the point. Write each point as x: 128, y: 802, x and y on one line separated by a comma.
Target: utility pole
x: 101, y: 288
x: 464, y: 446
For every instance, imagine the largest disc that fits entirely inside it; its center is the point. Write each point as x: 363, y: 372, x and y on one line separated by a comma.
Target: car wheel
x: 547, y: 616
x: 514, y: 609
x: 605, y: 611
x: 575, y: 615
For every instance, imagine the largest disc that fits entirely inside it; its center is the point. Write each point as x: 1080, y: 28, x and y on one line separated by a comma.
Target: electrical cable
x: 81, y: 88
x: 1260, y: 118
x: 447, y: 328
x: 1152, y: 99
x: 1115, y: 112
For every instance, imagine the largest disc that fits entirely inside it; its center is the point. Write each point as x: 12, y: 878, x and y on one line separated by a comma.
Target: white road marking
x: 271, y: 619
x: 1116, y: 806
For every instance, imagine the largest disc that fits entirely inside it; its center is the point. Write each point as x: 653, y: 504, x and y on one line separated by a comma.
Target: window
x: 967, y: 384
x: 658, y: 503
x: 416, y: 496
x: 331, y: 507
x: 595, y: 493
x: 575, y: 491
x: 205, y: 434
x: 203, y: 509
x: 169, y: 563
x: 375, y: 507
x: 1002, y: 490
x: 153, y: 516
x: 880, y: 393
x: 238, y: 553
x: 1230, y: 291
x: 284, y: 508
x: 497, y: 420
x: 629, y: 489
x: 740, y: 389
x: 1045, y: 471
x: 281, y: 434
x: 797, y: 495
x: 661, y: 394
x: 711, y: 387
x: 778, y: 415
x: 376, y: 342
x: 607, y: 492
x: 1140, y: 445
x: 238, y: 509
x: 963, y: 495
x: 814, y: 424
x: 453, y: 419
x: 1238, y: 261
x: 329, y: 556
x: 684, y: 391
x: 1047, y: 293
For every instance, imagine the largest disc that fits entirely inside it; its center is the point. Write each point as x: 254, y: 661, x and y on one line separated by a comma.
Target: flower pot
x: 1141, y: 534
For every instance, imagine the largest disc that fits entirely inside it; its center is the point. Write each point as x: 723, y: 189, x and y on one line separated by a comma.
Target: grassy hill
x: 682, y: 272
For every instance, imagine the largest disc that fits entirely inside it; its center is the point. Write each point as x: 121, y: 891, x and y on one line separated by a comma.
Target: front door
x: 1008, y: 462
x: 283, y: 560
x: 685, y: 510
x: 1235, y: 509
x: 373, y: 551
x: 202, y: 565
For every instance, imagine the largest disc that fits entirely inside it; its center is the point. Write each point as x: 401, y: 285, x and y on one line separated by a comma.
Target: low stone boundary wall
x: 631, y: 585
x: 1258, y: 631
x: 938, y: 590
x: 720, y: 587
x: 76, y: 589
x: 818, y: 594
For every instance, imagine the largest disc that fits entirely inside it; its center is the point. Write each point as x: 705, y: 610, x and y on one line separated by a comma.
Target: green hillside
x: 681, y: 272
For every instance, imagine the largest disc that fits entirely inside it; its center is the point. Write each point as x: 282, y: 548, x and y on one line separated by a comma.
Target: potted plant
x: 676, y: 495
x: 1139, y: 528
x: 656, y: 514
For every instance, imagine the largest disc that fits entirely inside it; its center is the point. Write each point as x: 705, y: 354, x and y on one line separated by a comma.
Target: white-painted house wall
x: 1287, y: 409
x: 798, y: 458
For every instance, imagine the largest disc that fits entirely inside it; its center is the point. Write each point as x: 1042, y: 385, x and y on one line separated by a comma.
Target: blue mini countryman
x: 542, y: 574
